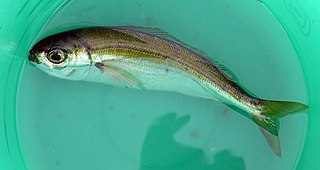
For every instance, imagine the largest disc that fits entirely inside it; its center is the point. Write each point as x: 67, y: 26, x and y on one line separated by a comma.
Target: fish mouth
x: 32, y: 57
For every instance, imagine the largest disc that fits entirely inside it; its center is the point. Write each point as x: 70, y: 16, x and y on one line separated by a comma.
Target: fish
x: 151, y: 59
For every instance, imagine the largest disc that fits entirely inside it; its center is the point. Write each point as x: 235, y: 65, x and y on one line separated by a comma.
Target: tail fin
x: 278, y: 109
x: 270, y: 112
x: 273, y: 141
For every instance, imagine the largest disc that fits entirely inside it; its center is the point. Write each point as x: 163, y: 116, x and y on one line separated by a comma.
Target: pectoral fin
x: 120, y: 75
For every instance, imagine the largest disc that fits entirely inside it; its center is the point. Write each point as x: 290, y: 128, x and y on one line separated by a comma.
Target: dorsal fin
x: 227, y: 72
x: 162, y: 34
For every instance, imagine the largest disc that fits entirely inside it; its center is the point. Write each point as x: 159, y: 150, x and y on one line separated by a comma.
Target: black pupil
x: 56, y: 57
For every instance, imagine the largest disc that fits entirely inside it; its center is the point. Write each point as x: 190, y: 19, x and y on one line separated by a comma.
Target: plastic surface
x: 301, y: 20
x: 20, y: 22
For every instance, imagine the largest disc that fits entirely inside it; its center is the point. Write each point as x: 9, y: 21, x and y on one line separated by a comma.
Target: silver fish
x: 150, y: 59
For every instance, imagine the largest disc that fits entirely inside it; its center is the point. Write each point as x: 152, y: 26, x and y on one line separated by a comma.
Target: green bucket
x: 23, y: 23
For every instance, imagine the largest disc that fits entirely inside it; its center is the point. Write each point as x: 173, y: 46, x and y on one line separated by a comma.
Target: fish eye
x: 56, y: 56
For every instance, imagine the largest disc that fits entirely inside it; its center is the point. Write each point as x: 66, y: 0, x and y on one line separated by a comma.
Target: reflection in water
x: 161, y: 151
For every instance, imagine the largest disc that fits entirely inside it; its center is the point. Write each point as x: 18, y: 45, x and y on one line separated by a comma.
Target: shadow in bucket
x: 161, y: 151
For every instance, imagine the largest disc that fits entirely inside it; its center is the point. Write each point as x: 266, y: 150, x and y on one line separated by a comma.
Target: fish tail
x: 267, y: 118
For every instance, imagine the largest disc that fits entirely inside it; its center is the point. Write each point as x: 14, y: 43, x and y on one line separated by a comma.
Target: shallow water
x: 81, y: 125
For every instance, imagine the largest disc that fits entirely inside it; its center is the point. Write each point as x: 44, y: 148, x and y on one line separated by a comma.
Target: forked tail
x: 270, y: 112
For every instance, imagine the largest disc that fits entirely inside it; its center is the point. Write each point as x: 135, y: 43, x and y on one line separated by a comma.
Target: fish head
x: 62, y: 55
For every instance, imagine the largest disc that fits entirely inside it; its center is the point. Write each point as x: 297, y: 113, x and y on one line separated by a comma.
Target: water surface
x: 81, y: 125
